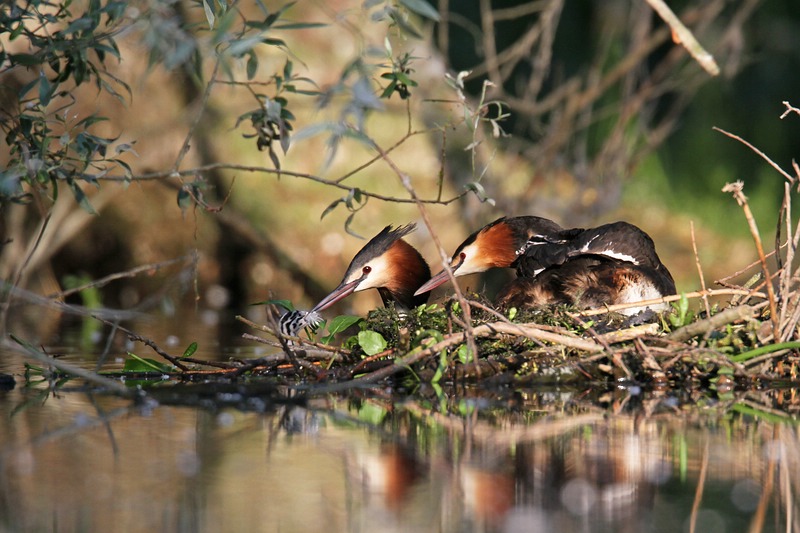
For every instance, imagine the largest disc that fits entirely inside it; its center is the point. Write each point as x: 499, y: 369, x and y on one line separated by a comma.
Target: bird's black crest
x: 378, y: 245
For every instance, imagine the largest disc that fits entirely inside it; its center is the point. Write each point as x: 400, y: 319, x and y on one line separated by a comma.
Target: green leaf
x: 184, y: 199
x: 299, y: 25
x: 464, y: 354
x: 189, y: 351
x: 81, y: 197
x: 347, y: 226
x: 339, y: 324
x: 45, y: 89
x: 331, y: 207
x: 421, y: 7
x: 210, y: 16
x: 342, y: 322
x: 286, y: 304
x: 371, y: 413
x: 252, y: 65
x: 371, y: 342
x: 140, y: 364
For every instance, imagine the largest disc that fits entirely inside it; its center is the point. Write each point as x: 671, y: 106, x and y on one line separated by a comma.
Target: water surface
x: 253, y: 456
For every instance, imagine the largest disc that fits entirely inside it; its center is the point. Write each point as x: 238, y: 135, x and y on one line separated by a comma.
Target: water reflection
x: 488, y: 461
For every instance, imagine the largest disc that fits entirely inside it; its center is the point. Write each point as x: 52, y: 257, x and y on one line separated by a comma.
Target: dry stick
x: 110, y: 384
x: 786, y: 271
x: 149, y: 268
x: 685, y: 37
x: 667, y: 299
x: 148, y: 342
x: 405, y: 180
x: 791, y: 303
x: 18, y: 275
x: 162, y: 175
x: 722, y: 281
x: 699, y: 270
x: 484, y: 330
x: 736, y: 189
x: 624, y: 335
x: 789, y: 109
x: 757, y: 151
x: 202, y: 107
x: 743, y: 312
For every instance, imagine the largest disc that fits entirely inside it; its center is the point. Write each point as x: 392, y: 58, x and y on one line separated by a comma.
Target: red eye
x: 462, y: 255
x: 366, y: 269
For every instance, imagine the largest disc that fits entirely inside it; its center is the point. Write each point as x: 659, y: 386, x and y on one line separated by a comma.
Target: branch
x: 161, y: 175
x: 668, y: 299
x: 682, y: 35
x: 741, y: 199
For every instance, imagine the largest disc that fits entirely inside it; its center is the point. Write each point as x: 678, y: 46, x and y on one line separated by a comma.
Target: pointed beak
x: 434, y: 282
x: 342, y: 291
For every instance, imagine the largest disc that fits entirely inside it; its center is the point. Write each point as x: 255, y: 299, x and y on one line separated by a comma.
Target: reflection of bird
x: 386, y: 263
x: 612, y: 264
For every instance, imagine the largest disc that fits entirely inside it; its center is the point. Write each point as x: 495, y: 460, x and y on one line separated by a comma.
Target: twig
x: 685, y: 37
x: 743, y: 312
x: 624, y: 335
x: 533, y: 332
x: 757, y: 151
x: 667, y: 299
x: 162, y: 175
x: 789, y: 109
x: 113, y: 386
x: 151, y: 268
x: 32, y: 247
x: 699, y: 270
x: 405, y: 180
x: 736, y: 189
x: 483, y: 330
x: 299, y: 340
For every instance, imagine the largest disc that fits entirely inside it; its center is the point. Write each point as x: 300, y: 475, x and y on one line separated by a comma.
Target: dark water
x: 263, y: 458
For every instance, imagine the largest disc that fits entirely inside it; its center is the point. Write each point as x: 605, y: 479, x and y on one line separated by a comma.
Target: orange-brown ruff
x: 386, y: 263
x: 498, y: 246
x: 406, y: 272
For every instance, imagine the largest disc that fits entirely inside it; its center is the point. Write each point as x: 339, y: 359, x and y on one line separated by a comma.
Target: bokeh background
x: 601, y: 117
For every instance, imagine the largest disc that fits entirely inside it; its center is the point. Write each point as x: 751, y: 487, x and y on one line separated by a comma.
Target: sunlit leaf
x: 371, y: 413
x: 45, y: 89
x: 371, y: 342
x: 252, y: 65
x: 286, y: 304
x: 190, y: 350
x: 331, y: 207
x: 339, y: 324
x: 210, y: 16
x: 81, y: 197
x: 184, y: 199
x: 299, y: 25
x: 421, y: 7
x: 347, y: 226
x: 140, y: 364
